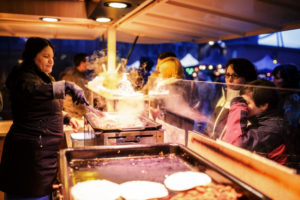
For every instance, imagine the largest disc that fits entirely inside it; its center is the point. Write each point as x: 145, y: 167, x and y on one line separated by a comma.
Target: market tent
x: 214, y: 58
x: 188, y: 60
x: 265, y: 64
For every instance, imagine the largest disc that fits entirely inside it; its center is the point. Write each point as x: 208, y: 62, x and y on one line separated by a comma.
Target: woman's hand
x: 74, y: 123
x: 76, y: 93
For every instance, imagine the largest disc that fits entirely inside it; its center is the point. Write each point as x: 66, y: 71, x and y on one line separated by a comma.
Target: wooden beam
x: 225, y: 14
x: 266, y: 176
x: 197, y: 24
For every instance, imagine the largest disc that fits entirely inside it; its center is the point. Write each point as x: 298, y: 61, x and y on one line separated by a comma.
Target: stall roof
x: 154, y: 21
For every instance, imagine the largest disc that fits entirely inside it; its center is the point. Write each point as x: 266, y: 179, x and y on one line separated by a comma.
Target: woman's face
x: 278, y: 80
x: 44, y: 60
x: 232, y: 78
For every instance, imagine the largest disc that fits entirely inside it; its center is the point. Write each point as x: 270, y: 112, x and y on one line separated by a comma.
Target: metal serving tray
x: 141, y: 162
x: 93, y: 120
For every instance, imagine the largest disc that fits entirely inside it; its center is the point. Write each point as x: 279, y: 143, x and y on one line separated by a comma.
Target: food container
x: 99, y: 124
x: 141, y: 162
x: 81, y: 138
x: 105, y: 132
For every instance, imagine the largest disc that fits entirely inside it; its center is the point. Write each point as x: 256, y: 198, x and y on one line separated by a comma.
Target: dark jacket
x: 266, y: 134
x: 29, y: 160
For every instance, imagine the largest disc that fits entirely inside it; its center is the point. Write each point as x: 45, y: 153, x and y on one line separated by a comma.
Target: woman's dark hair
x: 243, y: 68
x: 289, y: 74
x: 33, y: 46
x: 263, y: 94
x: 166, y: 54
x: 78, y: 58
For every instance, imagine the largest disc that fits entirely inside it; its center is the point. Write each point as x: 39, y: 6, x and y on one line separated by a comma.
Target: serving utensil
x: 95, y: 111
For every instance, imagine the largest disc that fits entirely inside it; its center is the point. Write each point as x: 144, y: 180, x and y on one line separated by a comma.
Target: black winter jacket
x: 29, y: 161
x: 266, y: 135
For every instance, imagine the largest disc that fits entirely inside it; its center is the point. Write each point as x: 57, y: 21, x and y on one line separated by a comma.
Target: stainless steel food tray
x: 93, y: 120
x: 141, y: 162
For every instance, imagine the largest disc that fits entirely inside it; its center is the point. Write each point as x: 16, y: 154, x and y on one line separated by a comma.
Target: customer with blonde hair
x: 169, y: 66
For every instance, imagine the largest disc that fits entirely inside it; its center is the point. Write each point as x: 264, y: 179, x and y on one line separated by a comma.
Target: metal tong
x: 95, y: 111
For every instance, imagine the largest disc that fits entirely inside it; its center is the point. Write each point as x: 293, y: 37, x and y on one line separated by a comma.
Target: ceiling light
x: 49, y: 19
x: 211, y: 43
x: 103, y: 19
x: 117, y: 4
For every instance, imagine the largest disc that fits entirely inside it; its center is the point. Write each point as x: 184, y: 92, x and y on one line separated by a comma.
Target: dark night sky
x: 11, y: 49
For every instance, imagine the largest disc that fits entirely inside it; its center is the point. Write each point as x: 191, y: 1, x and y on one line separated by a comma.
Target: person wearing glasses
x: 238, y: 71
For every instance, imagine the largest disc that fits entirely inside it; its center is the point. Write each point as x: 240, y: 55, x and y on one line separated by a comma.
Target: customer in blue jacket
x: 29, y: 161
x: 286, y: 78
x: 255, y: 123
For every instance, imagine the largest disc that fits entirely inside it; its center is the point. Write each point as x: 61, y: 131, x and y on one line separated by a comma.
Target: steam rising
x: 121, y: 98
x: 114, y: 86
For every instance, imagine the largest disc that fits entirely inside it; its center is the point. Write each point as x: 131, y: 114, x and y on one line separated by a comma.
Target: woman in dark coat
x: 29, y: 162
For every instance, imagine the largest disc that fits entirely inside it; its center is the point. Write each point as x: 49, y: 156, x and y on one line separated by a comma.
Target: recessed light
x: 103, y: 19
x: 211, y: 43
x: 49, y: 19
x: 115, y: 4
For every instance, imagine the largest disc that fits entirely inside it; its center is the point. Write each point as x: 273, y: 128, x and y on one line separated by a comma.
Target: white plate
x: 142, y: 190
x: 82, y: 136
x: 181, y: 181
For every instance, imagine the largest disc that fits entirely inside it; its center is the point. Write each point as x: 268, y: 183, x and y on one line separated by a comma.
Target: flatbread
x: 142, y: 190
x: 181, y: 181
x: 95, y: 190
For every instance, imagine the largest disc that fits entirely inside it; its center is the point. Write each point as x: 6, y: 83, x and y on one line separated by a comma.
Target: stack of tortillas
x: 142, y: 190
x: 95, y: 190
x: 138, y: 190
x: 181, y: 181
x: 106, y: 190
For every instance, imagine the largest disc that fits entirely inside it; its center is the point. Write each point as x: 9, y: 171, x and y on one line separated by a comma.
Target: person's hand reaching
x: 75, y: 124
x: 76, y: 93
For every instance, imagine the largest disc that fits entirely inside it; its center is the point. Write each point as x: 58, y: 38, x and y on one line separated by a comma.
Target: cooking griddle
x: 98, y: 124
x: 141, y: 162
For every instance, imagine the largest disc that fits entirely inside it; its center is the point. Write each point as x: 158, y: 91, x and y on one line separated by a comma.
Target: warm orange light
x: 202, y: 67
x: 49, y: 19
x: 103, y: 19
x: 117, y: 4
